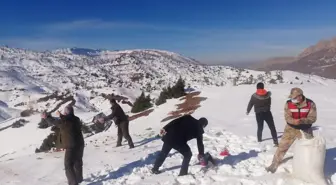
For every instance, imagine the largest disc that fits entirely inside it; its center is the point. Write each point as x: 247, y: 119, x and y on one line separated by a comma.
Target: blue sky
x: 213, y: 31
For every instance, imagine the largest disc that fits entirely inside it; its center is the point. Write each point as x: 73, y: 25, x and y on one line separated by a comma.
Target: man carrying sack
x: 300, y: 114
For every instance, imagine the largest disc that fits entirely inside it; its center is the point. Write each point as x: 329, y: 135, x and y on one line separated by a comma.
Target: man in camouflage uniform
x: 300, y: 114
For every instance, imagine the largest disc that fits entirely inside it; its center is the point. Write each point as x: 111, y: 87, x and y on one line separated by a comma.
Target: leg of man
x: 186, y: 152
x: 69, y: 161
x: 125, y: 131
x: 289, y: 136
x: 260, y: 121
x: 79, y: 164
x: 161, y: 157
x: 120, y: 135
x: 270, y: 122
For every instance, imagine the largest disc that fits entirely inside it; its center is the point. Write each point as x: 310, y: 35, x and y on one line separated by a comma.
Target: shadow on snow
x: 330, y: 163
x: 147, y: 140
x: 235, y: 159
x: 128, y: 168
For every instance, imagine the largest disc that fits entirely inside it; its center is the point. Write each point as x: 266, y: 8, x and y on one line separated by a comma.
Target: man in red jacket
x: 261, y: 101
x: 300, y: 114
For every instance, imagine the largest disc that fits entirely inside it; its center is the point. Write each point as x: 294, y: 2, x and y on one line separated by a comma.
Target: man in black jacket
x: 176, y: 134
x: 72, y: 140
x: 261, y: 100
x: 121, y: 120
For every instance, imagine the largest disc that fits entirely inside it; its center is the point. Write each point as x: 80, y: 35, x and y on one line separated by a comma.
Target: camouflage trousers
x: 289, y: 136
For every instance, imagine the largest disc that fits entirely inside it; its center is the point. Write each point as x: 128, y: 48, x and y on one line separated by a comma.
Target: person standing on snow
x: 122, y: 122
x: 300, y: 114
x: 175, y: 135
x: 73, y: 142
x: 261, y: 100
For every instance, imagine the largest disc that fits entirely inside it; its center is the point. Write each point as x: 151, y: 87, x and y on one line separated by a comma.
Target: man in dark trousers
x: 175, y: 135
x: 73, y: 142
x: 122, y: 122
x: 261, y: 100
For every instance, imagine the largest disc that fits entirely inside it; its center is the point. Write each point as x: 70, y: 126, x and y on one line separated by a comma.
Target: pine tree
x: 169, y: 92
x: 178, y: 89
x: 141, y: 103
x: 162, y: 97
x: 147, y: 103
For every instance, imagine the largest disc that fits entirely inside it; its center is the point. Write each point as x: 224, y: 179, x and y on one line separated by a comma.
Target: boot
x: 131, y: 144
x: 276, y: 143
x: 182, y: 174
x: 272, y: 168
x: 155, y: 171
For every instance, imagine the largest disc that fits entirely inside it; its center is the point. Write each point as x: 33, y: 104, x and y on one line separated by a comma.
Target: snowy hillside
x: 229, y: 127
x: 48, y: 80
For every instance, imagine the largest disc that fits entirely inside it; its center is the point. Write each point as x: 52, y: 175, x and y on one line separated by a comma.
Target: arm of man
x: 53, y: 121
x: 312, y: 115
x: 200, y: 145
x: 288, y: 115
x: 250, y: 105
x: 112, y: 115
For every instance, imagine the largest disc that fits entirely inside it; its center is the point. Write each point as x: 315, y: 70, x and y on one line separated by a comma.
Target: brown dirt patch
x: 141, y: 114
x: 118, y: 98
x: 193, y: 94
x: 191, y: 103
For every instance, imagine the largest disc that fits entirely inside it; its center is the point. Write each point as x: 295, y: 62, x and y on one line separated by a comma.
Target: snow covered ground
x: 229, y: 127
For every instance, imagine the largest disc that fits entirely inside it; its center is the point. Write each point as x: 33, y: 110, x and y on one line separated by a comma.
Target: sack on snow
x: 309, y: 158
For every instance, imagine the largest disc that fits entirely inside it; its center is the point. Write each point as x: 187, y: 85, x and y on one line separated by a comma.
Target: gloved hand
x: 163, y: 132
x: 58, y: 113
x: 44, y: 115
x: 201, y: 159
x: 101, y: 120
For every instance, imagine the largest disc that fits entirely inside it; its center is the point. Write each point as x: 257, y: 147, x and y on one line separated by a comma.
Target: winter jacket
x: 70, y: 130
x: 118, y: 114
x: 306, y: 112
x: 260, y: 101
x: 183, y: 129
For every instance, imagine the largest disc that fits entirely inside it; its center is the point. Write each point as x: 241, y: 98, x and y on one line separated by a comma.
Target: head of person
x: 113, y: 101
x: 68, y: 110
x: 203, y: 121
x: 260, y: 89
x: 296, y: 95
x: 260, y: 85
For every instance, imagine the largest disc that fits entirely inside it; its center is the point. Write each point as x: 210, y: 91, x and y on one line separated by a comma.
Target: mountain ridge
x: 318, y: 59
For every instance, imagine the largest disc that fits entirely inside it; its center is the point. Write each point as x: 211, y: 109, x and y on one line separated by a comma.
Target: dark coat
x: 70, y: 131
x: 261, y: 103
x: 183, y: 129
x: 118, y: 114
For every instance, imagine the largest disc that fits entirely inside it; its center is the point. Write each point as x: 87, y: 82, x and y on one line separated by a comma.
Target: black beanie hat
x: 260, y: 85
x: 203, y: 122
